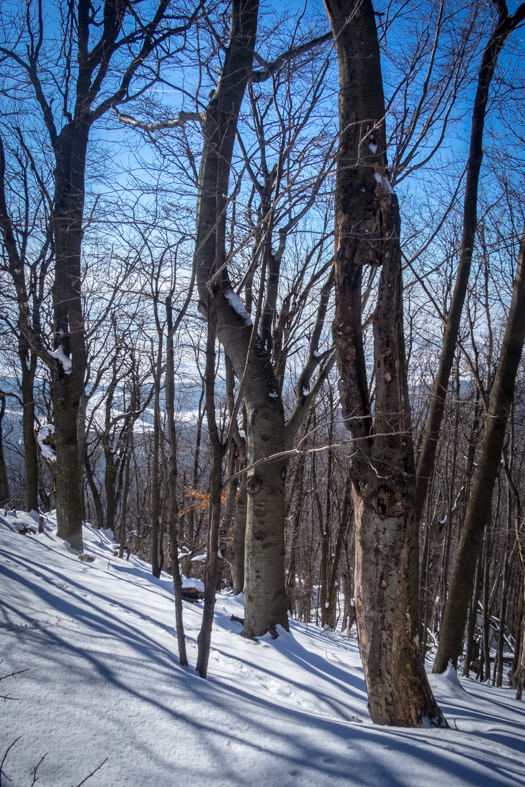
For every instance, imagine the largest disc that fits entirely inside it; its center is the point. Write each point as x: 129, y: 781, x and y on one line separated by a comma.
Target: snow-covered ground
x: 103, y: 684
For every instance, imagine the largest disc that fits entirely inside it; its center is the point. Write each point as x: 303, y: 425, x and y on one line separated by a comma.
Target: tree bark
x: 479, y: 505
x: 367, y: 233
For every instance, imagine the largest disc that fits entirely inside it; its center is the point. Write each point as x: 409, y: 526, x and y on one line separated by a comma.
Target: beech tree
x: 367, y: 233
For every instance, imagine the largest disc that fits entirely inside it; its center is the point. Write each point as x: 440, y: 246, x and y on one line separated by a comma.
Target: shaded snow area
x: 103, y: 681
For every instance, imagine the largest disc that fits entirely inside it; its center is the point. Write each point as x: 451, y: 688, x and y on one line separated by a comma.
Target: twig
x: 4, y: 759
x: 35, y: 777
x: 11, y: 675
x: 91, y: 774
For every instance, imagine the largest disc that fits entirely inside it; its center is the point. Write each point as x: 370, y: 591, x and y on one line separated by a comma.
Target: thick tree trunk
x: 479, y: 505
x: 367, y: 233
x: 503, y: 29
x: 70, y: 341
x: 265, y: 414
x: 265, y: 596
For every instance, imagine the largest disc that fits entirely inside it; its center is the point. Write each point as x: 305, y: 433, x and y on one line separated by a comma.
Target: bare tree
x: 367, y: 227
x: 93, y: 38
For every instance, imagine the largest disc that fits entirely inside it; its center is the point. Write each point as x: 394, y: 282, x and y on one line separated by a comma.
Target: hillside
x: 102, y: 685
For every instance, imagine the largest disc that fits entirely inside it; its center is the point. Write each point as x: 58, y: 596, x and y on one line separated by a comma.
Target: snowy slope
x: 103, y: 681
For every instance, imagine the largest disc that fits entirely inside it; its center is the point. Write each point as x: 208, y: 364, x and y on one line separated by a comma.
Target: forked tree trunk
x: 265, y: 602
x: 479, y: 504
x: 383, y: 472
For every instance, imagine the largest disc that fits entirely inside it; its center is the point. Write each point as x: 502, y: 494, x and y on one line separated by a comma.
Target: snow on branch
x: 178, y: 122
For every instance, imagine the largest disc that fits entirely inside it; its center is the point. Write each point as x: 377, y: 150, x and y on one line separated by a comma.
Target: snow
x: 238, y: 306
x: 273, y: 395
x: 103, y: 681
x: 47, y: 451
x: 373, y: 147
x: 62, y: 358
x: 385, y: 183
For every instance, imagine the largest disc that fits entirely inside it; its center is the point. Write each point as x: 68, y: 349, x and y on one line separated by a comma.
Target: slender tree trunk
x: 485, y: 474
x: 498, y: 667
x: 504, y: 27
x: 155, y: 476
x: 172, y: 485
x: 212, y: 547
x: 239, y: 537
x: 94, y: 492
x: 28, y: 363
x: 5, y: 497
x: 485, y: 631
x: 333, y: 585
x: 367, y: 233
x: 472, y: 621
x: 124, y: 506
x: 521, y: 668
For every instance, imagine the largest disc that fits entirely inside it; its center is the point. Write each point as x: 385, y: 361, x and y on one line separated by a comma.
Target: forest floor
x: 102, y: 684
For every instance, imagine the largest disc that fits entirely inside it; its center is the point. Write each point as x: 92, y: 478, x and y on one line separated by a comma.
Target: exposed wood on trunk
x: 383, y: 474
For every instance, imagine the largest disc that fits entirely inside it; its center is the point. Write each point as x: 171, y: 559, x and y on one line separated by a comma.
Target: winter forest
x: 262, y: 312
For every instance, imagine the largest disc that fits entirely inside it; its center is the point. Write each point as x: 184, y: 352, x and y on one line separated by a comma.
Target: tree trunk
x: 5, y: 497
x: 155, y: 476
x: 479, y: 505
x: 124, y: 507
x: 28, y: 363
x: 265, y: 603
x: 172, y: 485
x: 472, y: 621
x: 503, y: 29
x: 94, y: 492
x: 367, y: 233
x: 70, y: 340
x: 239, y: 538
x: 333, y: 585
x: 212, y: 546
x: 265, y: 596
